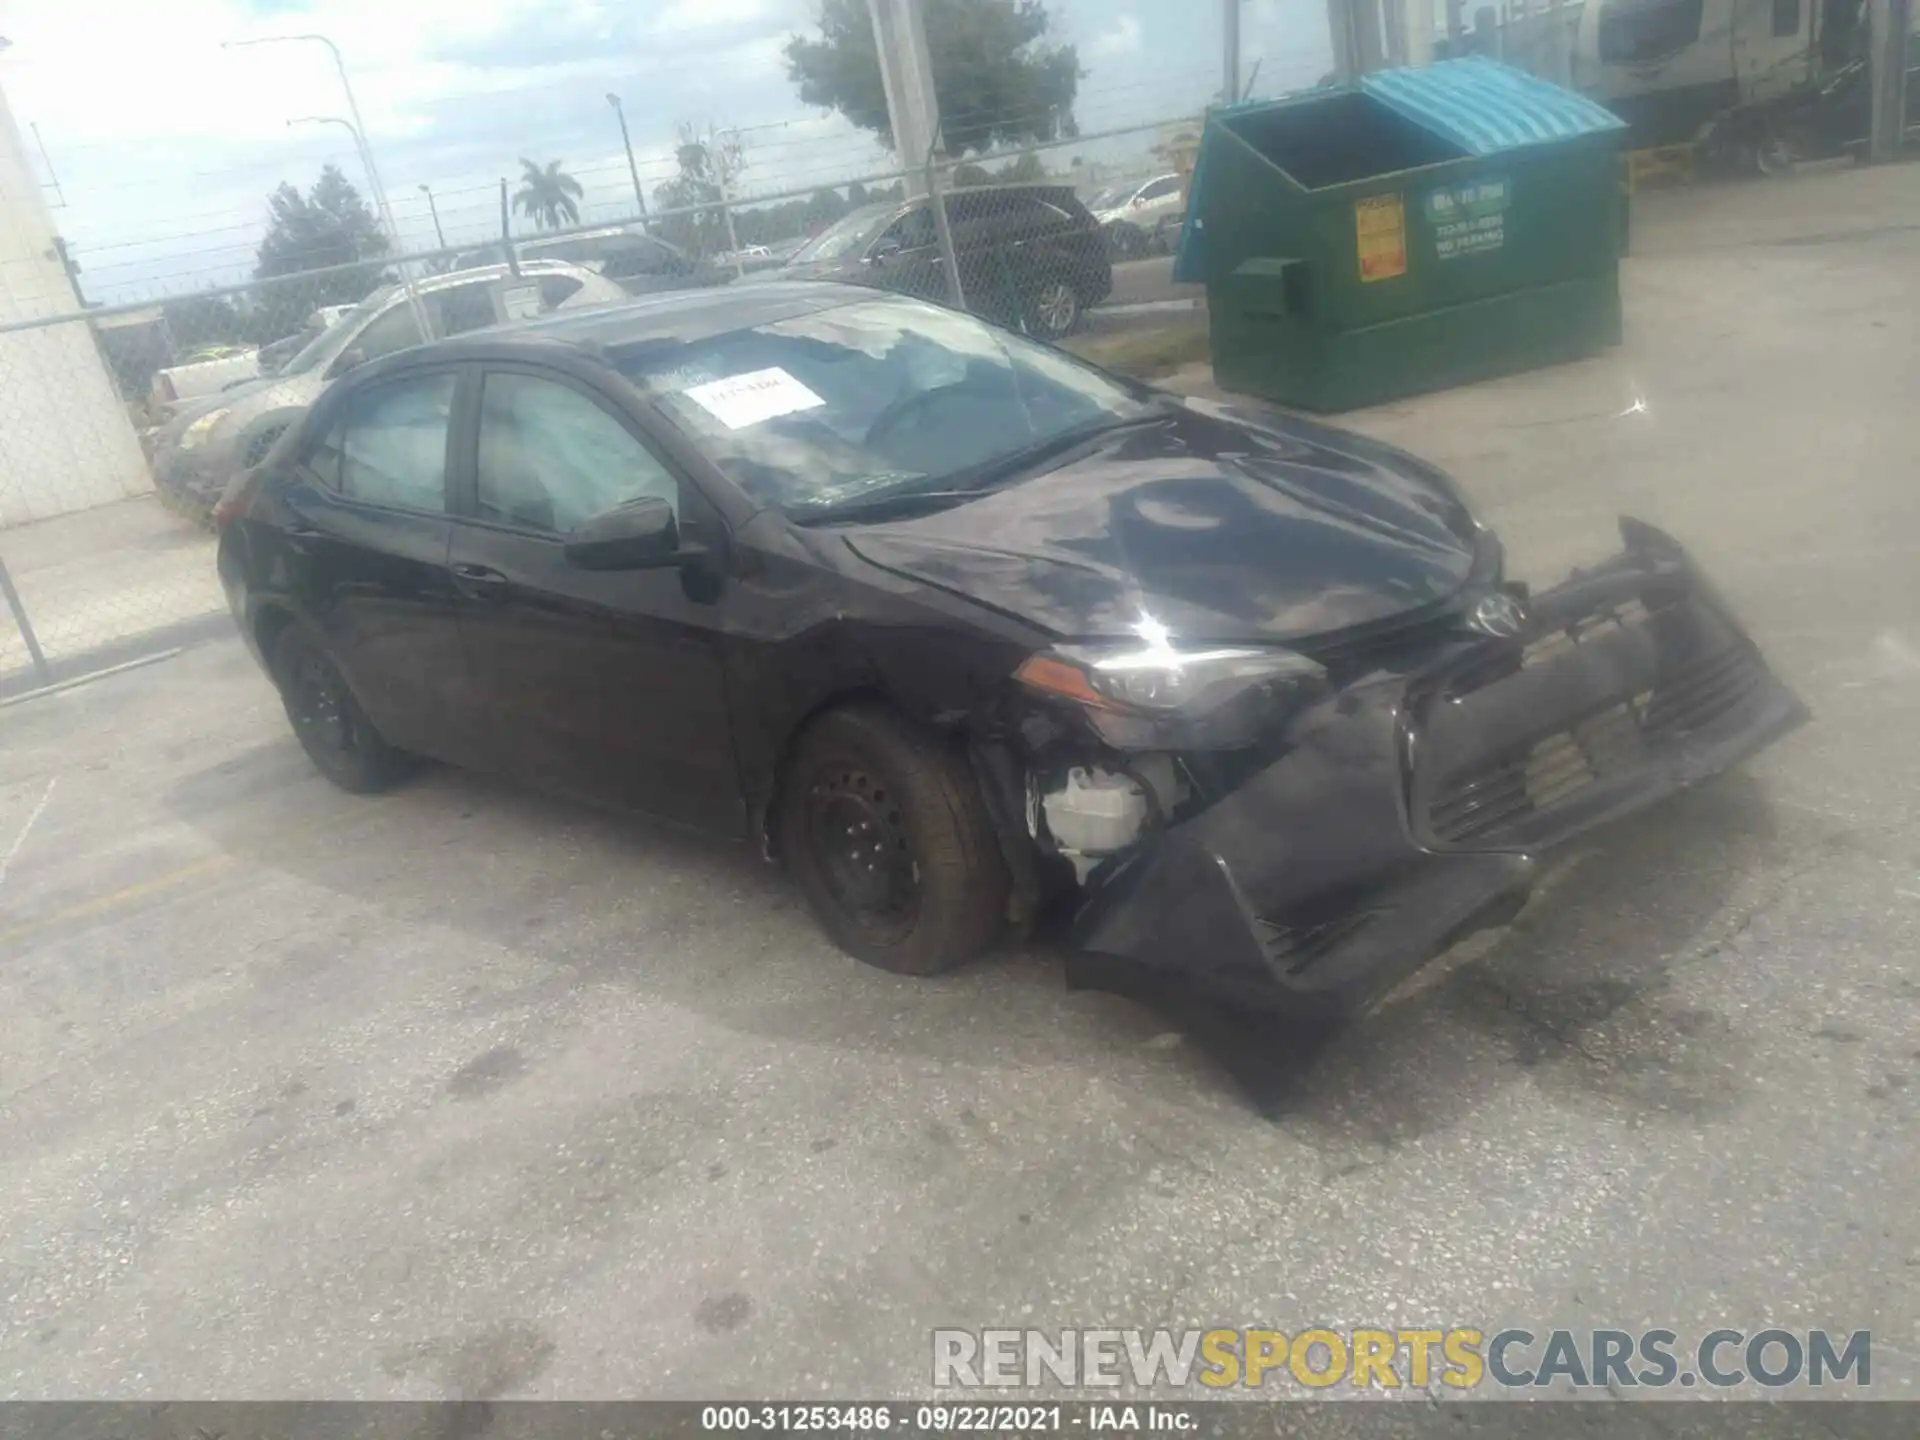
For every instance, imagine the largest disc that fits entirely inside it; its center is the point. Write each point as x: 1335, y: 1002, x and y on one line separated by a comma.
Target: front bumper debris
x: 188, y: 478
x: 1408, y: 808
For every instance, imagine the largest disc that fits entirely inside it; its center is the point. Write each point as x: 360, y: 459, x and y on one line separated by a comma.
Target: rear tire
x: 1055, y: 311
x: 327, y: 721
x: 1127, y: 242
x: 886, y: 832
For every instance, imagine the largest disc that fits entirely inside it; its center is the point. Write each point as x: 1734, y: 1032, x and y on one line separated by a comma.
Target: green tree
x: 999, y: 79
x: 328, y: 226
x: 548, y: 195
x: 965, y: 176
x: 709, y: 164
x: 822, y: 208
x: 196, y: 320
x: 1029, y: 169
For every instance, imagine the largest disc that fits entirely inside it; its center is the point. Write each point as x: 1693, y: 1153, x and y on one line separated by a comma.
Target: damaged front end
x: 1298, y: 830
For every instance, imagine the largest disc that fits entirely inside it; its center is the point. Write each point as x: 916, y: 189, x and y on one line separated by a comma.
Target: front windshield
x: 1108, y: 198
x: 845, y: 235
x: 322, y: 349
x: 870, y: 399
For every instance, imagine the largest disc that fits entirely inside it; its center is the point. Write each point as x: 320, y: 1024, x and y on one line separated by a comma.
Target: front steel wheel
x: 884, y: 828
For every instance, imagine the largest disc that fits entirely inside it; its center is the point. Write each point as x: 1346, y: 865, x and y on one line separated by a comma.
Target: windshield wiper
x: 1030, y: 459
x: 899, y: 502
x: 978, y: 480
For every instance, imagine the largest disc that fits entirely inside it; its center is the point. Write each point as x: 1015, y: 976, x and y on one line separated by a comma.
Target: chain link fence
x: 121, y: 426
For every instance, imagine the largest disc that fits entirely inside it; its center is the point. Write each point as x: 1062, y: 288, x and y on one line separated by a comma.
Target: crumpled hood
x: 1221, y: 524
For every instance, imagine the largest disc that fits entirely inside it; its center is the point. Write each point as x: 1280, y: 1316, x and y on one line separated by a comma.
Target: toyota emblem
x: 1499, y: 615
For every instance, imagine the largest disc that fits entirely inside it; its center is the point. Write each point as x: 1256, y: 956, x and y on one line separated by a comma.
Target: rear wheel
x: 1126, y: 242
x: 328, y: 722
x: 1054, y: 311
x: 885, y: 830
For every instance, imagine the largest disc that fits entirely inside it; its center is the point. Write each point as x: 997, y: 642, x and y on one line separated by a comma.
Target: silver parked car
x: 1141, y: 217
x: 209, y: 440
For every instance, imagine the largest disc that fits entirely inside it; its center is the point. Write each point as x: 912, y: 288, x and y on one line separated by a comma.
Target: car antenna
x: 506, y: 231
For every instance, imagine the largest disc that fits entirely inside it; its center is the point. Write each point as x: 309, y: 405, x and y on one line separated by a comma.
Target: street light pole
x: 438, y: 234
x: 366, y: 158
x: 1230, y: 17
x: 626, y: 142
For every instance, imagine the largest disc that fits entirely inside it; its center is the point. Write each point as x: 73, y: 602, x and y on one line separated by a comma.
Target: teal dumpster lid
x: 1480, y: 105
x: 1485, y: 107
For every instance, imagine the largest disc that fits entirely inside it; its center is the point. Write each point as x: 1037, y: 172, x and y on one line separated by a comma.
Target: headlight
x: 1218, y: 695
x: 196, y: 433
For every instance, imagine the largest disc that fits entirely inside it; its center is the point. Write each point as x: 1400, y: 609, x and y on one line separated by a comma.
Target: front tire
x: 886, y: 832
x: 327, y: 721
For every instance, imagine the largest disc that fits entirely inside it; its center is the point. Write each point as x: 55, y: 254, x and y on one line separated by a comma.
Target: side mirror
x: 351, y: 358
x: 884, y: 251
x: 638, y: 536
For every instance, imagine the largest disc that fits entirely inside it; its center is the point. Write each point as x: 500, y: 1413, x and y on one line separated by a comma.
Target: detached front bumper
x: 1409, y: 805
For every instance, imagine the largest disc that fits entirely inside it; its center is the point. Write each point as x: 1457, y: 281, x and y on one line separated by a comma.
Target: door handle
x: 480, y: 582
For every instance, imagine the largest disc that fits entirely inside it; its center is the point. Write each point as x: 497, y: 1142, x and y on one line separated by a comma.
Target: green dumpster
x: 1418, y: 230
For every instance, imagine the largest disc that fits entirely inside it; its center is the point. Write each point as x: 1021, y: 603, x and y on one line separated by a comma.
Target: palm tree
x: 548, y: 195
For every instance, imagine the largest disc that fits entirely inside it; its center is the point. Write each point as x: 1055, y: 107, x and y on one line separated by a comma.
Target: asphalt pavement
x: 1149, y: 282
x: 464, y: 1092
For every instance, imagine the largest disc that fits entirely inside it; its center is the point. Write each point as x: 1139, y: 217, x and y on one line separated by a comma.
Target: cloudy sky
x: 165, y: 143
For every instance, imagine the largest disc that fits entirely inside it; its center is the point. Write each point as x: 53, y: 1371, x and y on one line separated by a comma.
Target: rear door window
x: 1639, y: 32
x: 394, y: 328
x: 461, y: 308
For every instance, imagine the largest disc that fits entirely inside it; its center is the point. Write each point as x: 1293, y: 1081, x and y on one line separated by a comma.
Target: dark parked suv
x: 1031, y: 256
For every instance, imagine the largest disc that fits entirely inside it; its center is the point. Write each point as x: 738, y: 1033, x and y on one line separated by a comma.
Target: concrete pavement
x: 465, y: 1092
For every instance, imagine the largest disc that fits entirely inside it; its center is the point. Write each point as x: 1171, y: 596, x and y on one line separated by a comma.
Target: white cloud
x: 1119, y: 43
x: 684, y: 15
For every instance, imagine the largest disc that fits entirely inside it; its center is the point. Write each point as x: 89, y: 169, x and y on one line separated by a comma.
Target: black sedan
x: 969, y: 633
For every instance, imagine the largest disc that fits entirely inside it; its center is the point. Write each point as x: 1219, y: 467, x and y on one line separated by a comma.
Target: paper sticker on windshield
x: 742, y: 400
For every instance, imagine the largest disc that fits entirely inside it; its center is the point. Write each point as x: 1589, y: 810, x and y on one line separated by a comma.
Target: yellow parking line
x: 113, y: 899
x: 126, y: 894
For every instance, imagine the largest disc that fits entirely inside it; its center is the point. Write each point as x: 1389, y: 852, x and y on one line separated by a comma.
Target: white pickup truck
x: 205, y: 372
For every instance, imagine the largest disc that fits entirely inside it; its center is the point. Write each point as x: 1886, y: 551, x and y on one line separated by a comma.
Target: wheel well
x: 1008, y: 828
x: 267, y: 628
x: 261, y: 442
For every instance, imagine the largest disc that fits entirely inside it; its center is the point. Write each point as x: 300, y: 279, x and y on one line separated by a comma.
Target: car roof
x: 428, y: 284
x: 679, y: 316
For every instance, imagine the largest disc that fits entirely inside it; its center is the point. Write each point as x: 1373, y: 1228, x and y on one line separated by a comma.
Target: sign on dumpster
x: 1468, y: 219
x: 1380, y: 228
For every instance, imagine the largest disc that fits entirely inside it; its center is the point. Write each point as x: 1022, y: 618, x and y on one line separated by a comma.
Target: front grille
x: 1493, y: 798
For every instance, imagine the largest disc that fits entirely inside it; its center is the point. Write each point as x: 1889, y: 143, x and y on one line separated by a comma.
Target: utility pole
x: 439, y: 235
x: 726, y: 153
x: 1890, y: 21
x: 1230, y: 28
x: 906, y: 70
x: 633, y: 170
